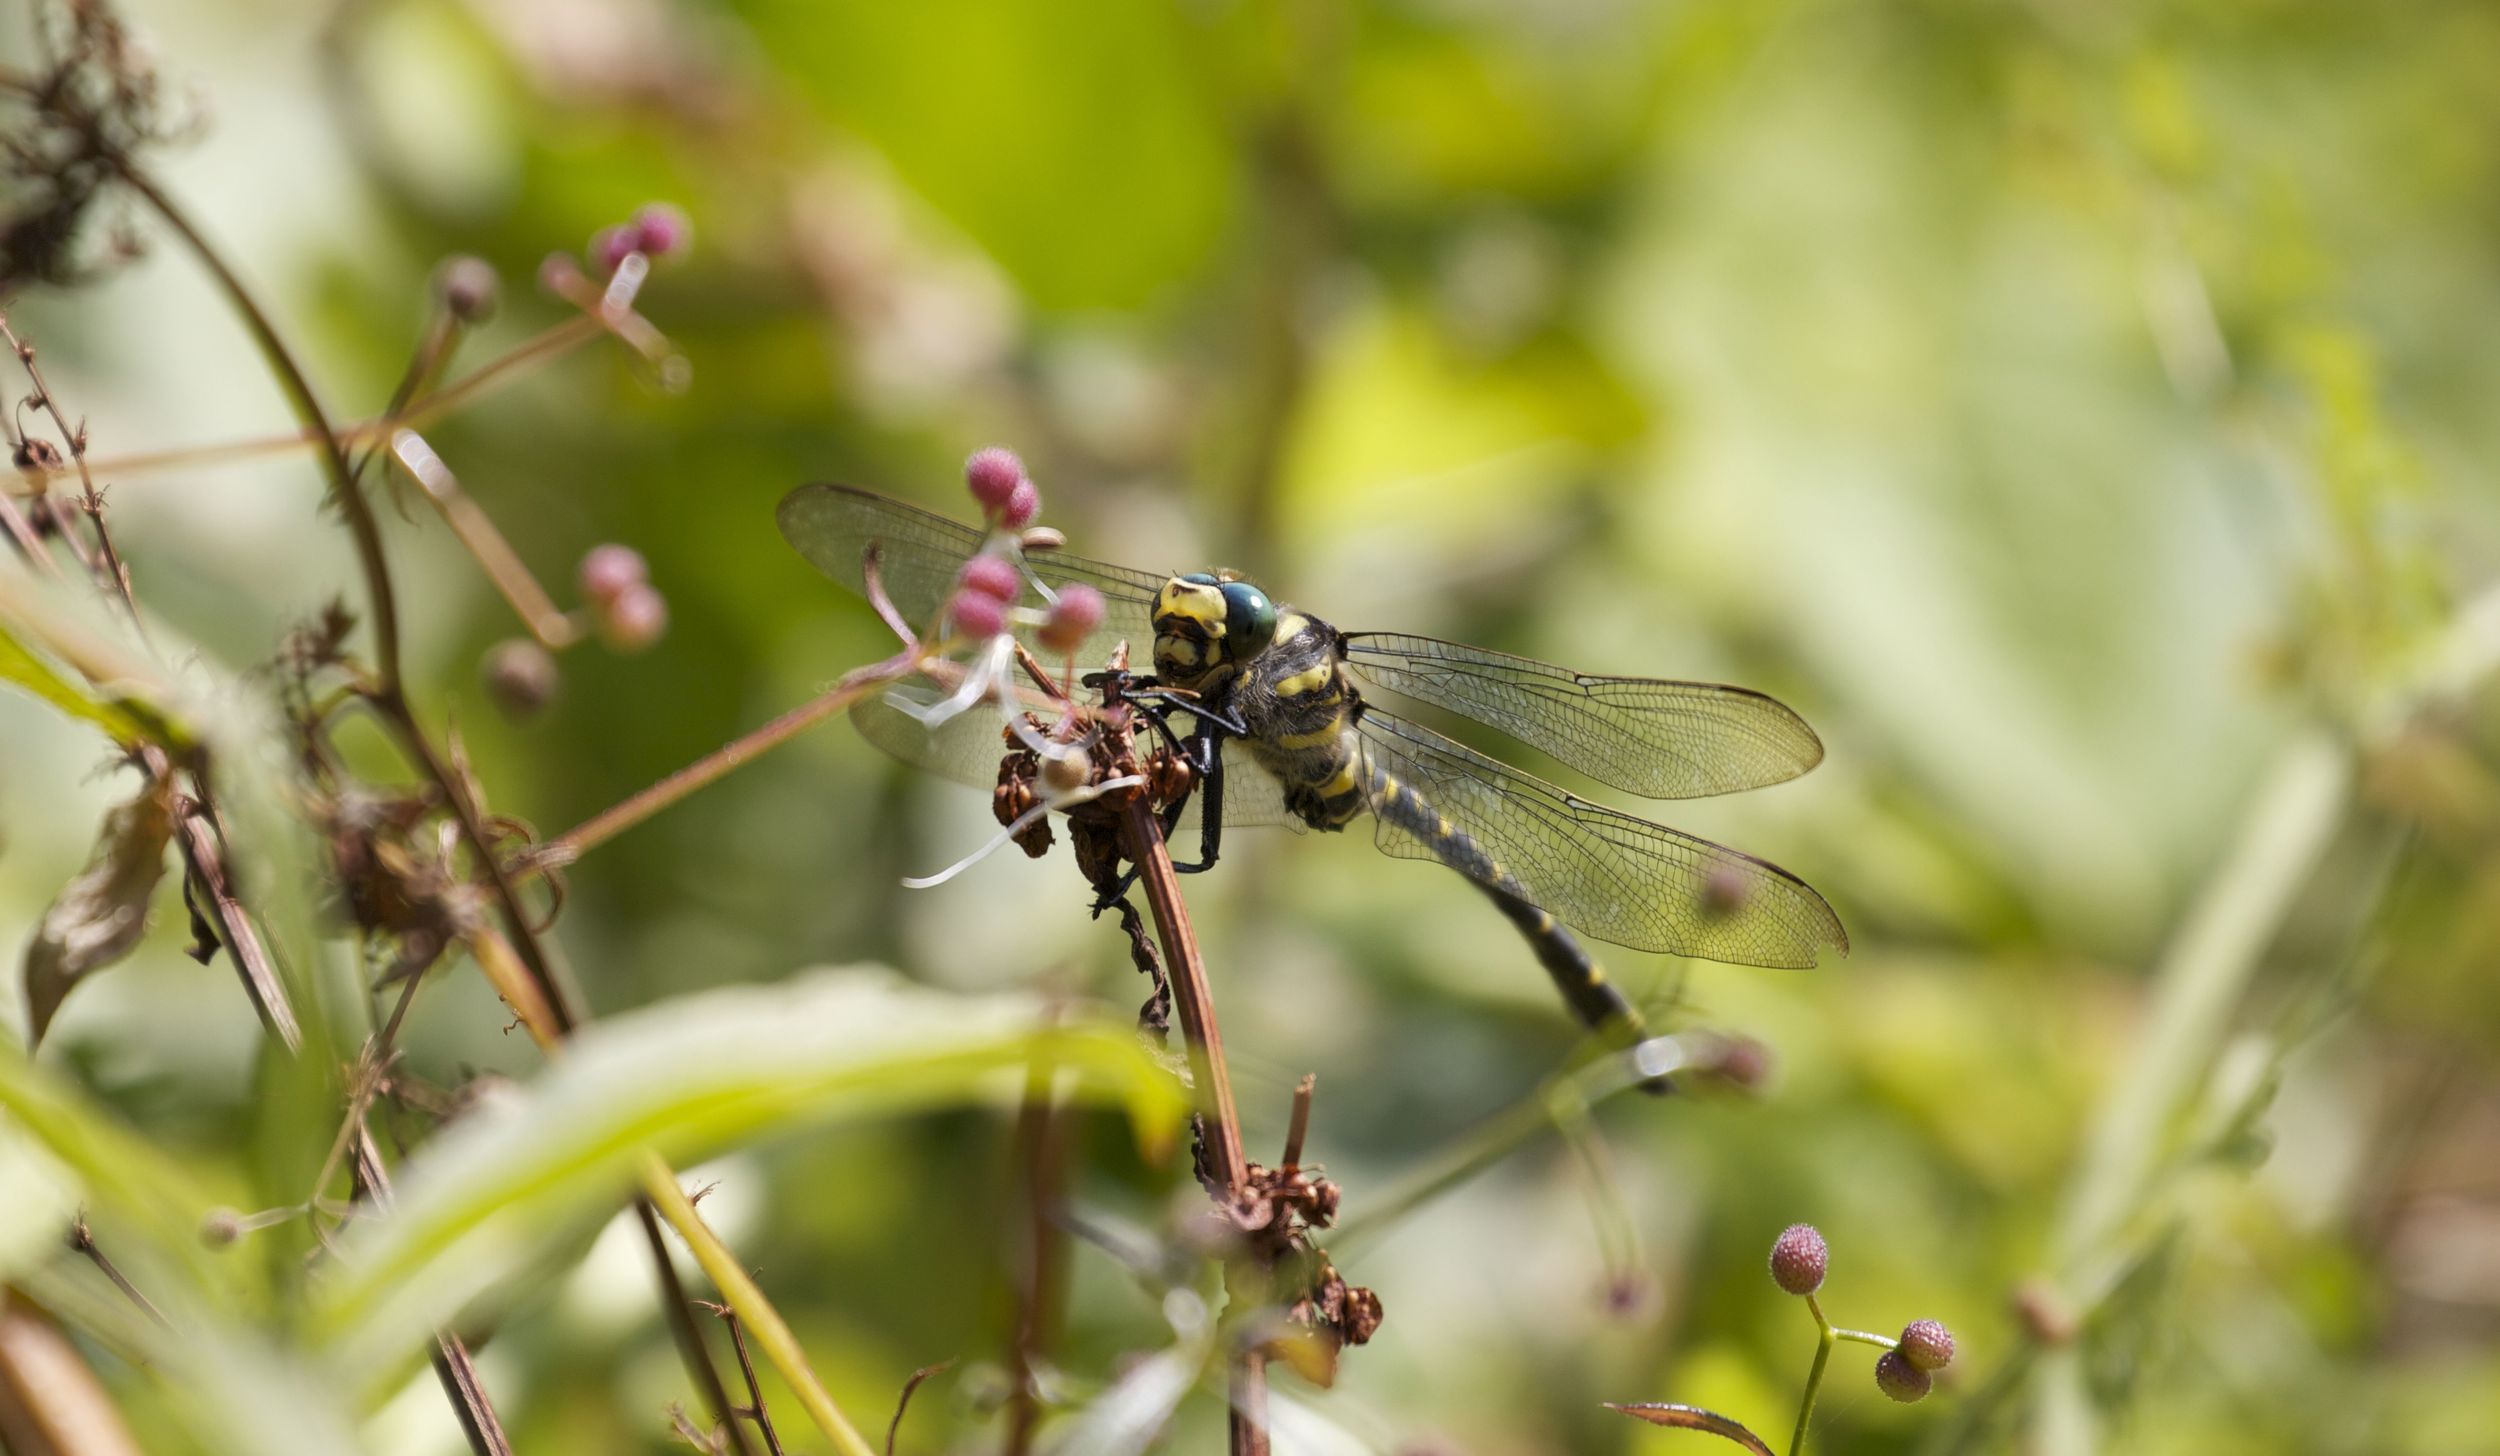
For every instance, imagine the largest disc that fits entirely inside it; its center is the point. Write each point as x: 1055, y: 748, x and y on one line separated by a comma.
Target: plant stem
x: 854, y: 685
x: 739, y: 1292
x: 1193, y: 998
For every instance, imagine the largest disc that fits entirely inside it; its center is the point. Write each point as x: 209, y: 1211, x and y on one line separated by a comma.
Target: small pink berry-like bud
x: 610, y: 571
x: 635, y: 619
x: 609, y: 245
x: 1072, y: 619
x: 992, y: 475
x: 1023, y: 504
x: 520, y: 677
x: 1799, y: 1258
x: 992, y: 576
x: 1927, y: 1344
x: 557, y: 273
x: 660, y: 229
x: 467, y: 286
x: 1897, y: 1377
x: 977, y: 614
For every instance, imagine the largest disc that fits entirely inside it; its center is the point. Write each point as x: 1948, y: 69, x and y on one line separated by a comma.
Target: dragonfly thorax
x: 1207, y: 626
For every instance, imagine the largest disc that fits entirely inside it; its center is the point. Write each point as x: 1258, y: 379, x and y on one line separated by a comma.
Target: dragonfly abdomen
x: 1575, y: 973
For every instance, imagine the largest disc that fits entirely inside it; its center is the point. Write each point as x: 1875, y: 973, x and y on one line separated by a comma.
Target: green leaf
x: 36, y: 676
x: 119, y: 1173
x: 688, y: 1080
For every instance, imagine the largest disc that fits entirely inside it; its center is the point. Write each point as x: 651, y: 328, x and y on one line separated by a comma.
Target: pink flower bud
x: 1798, y: 1259
x: 993, y: 475
x: 635, y: 619
x: 467, y: 286
x: 660, y: 230
x: 977, y: 614
x: 1897, y: 1377
x: 609, y: 245
x: 992, y: 576
x: 520, y: 677
x: 1927, y: 1344
x: 1023, y: 504
x: 1072, y: 619
x: 610, y: 571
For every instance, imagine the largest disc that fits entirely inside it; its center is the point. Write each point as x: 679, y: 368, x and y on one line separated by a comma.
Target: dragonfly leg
x: 1207, y: 759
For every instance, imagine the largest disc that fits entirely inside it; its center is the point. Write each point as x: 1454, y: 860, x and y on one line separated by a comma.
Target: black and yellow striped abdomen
x: 1300, y: 715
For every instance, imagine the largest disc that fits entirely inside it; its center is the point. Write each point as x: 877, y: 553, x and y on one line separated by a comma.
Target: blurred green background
x: 2081, y: 414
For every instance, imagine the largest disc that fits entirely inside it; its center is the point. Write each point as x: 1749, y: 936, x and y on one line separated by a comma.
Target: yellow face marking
x: 1309, y: 680
x: 1190, y: 602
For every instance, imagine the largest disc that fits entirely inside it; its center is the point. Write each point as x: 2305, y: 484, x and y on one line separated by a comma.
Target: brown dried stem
x: 1193, y: 998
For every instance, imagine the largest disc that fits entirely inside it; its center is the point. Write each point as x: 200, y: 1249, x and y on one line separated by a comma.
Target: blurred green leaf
x: 688, y: 1080
x: 128, y: 724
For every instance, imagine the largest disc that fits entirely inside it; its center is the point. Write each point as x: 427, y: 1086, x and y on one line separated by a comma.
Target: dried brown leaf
x: 1694, y: 1418
x: 99, y: 916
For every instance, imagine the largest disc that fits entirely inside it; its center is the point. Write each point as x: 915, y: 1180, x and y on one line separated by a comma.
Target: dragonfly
x: 1305, y: 701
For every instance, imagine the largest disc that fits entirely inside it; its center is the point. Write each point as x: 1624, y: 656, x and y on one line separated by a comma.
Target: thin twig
x: 554, y: 341
x: 1042, y: 1150
x: 82, y: 1239
x: 452, y: 1365
x: 601, y: 827
x: 902, y: 1403
x: 755, y: 1393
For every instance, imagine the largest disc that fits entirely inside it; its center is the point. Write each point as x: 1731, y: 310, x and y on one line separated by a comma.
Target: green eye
x: 1202, y: 578
x: 1249, y: 620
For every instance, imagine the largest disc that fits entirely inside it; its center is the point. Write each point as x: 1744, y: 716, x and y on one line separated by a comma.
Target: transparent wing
x: 920, y: 552
x: 967, y: 748
x: 1601, y: 871
x: 1648, y: 736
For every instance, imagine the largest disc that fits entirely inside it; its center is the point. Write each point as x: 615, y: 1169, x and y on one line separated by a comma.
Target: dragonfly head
x: 1206, y: 625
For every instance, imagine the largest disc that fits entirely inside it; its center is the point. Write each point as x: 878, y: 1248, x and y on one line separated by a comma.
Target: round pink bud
x: 1927, y: 1344
x: 1897, y: 1377
x: 609, y: 245
x: 977, y: 614
x: 635, y: 619
x: 467, y: 286
x: 660, y: 229
x: 557, y: 272
x: 1798, y: 1259
x: 610, y: 571
x: 1072, y: 619
x: 520, y: 676
x: 993, y: 474
x: 1023, y: 504
x: 992, y: 576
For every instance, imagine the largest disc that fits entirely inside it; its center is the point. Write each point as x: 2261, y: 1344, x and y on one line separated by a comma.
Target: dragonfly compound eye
x: 1249, y: 620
